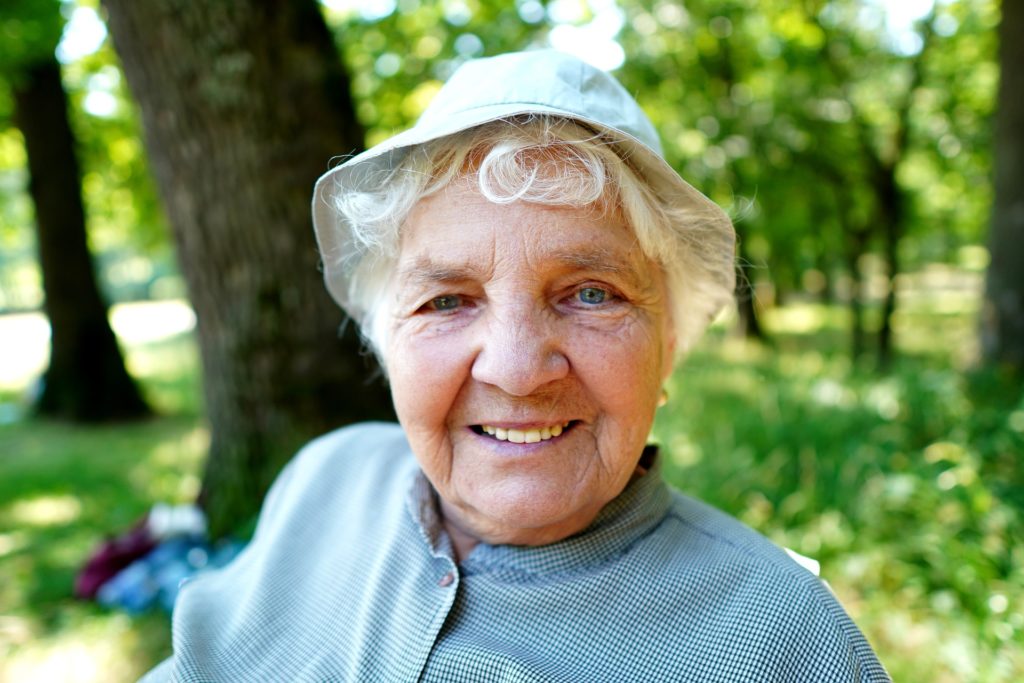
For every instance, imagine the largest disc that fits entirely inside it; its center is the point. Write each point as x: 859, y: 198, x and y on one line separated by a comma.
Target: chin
x: 517, y: 517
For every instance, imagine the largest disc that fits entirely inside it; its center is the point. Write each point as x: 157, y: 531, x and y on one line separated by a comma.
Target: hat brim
x: 340, y: 251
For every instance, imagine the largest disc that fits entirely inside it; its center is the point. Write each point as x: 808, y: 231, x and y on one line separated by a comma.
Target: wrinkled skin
x: 522, y: 316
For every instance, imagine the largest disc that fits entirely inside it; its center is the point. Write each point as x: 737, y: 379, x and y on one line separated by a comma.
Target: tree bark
x: 86, y: 379
x: 891, y: 218
x: 1002, y: 320
x: 746, y: 307
x: 243, y: 103
x: 856, y: 247
x: 891, y: 208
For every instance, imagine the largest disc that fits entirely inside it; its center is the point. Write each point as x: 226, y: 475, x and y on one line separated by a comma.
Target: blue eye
x: 448, y: 302
x: 592, y: 295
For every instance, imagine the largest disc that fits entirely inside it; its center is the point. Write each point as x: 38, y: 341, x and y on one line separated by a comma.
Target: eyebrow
x: 602, y: 261
x: 599, y: 260
x: 425, y: 270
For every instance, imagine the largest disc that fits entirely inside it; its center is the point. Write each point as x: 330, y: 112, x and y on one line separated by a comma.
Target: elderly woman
x: 527, y: 268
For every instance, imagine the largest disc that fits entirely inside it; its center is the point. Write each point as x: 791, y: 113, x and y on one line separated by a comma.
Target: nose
x: 519, y: 350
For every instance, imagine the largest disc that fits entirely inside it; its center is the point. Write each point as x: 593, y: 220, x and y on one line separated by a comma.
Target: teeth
x: 525, y: 435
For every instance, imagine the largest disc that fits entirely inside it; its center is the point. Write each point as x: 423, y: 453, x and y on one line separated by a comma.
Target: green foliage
x: 398, y: 61
x: 779, y: 111
x: 771, y: 108
x: 29, y: 29
x: 127, y: 229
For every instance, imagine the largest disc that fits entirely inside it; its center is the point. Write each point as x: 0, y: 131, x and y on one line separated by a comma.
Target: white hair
x: 545, y: 160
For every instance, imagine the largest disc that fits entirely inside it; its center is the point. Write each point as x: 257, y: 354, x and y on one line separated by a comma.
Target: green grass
x: 62, y: 488
x: 907, y: 486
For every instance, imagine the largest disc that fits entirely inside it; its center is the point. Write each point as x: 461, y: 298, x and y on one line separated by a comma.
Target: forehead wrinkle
x: 425, y: 270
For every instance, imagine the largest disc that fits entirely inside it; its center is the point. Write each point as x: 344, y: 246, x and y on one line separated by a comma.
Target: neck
x: 462, y: 542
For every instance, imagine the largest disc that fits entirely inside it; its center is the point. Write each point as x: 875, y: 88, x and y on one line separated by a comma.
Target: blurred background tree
x: 86, y: 378
x: 243, y: 104
x: 852, y: 141
x: 1003, y: 315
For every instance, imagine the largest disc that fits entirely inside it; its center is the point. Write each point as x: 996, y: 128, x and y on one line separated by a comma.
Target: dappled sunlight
x: 143, y: 322
x: 884, y: 398
x: 93, y: 650
x: 802, y: 318
x: 941, y: 289
x: 830, y: 393
x: 147, y: 362
x: 901, y: 626
x: 683, y: 451
x: 732, y: 347
x: 186, y: 449
x: 26, y: 349
x: 169, y: 473
x: 44, y: 511
x: 26, y: 340
x: 12, y: 542
x: 811, y: 363
x: 70, y: 487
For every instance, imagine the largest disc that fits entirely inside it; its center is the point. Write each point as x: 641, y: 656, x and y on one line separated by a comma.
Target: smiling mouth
x: 524, y: 435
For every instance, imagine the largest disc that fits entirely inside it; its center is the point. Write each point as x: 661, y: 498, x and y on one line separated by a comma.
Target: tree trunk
x: 243, y: 104
x: 746, y: 307
x: 891, y: 216
x: 1002, y: 320
x: 856, y: 246
x: 86, y: 379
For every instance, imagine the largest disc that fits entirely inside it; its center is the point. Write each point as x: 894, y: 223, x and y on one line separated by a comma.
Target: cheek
x: 631, y: 356
x: 426, y: 375
x: 624, y: 372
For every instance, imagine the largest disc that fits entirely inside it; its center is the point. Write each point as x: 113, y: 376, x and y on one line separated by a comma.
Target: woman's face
x: 526, y: 359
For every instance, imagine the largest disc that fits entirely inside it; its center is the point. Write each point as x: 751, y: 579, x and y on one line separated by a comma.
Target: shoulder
x: 772, y: 598
x: 724, y: 538
x: 329, y: 470
x: 381, y: 441
x: 363, y: 449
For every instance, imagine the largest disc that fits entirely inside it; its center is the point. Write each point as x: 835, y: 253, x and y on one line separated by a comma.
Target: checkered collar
x: 632, y: 515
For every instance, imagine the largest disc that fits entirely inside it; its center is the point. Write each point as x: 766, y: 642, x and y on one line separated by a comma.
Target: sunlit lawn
x: 906, y: 485
x: 62, y: 488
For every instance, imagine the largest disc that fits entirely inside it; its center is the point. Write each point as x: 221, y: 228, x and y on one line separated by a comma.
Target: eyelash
x: 436, y: 305
x: 432, y: 305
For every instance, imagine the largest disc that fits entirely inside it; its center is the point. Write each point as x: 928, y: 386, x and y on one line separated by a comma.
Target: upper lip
x: 533, y: 424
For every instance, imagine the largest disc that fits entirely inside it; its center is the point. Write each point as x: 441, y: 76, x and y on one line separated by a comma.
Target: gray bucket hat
x: 484, y: 90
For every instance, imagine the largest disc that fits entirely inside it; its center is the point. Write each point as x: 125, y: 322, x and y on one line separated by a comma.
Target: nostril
x: 518, y: 356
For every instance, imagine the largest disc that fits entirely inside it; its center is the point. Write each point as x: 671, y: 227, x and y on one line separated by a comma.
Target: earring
x: 663, y: 398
